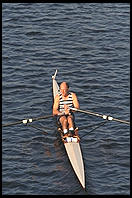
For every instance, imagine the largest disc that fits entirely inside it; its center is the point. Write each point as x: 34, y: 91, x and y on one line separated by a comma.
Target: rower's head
x: 64, y: 88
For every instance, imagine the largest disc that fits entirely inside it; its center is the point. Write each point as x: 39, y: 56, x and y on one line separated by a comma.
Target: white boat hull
x: 72, y: 148
x: 75, y: 156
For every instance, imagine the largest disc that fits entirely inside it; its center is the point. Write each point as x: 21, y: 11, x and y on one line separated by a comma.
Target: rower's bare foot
x: 59, y: 129
x: 65, y: 136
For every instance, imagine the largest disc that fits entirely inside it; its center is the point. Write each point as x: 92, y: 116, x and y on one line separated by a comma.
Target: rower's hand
x: 67, y: 110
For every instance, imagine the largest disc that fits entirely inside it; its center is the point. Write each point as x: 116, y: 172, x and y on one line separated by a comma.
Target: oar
x: 102, y: 116
x: 25, y: 121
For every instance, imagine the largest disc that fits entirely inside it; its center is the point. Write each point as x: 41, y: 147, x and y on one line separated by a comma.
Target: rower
x: 63, y: 101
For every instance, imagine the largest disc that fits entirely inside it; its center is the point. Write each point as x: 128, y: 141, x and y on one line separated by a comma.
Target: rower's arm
x: 56, y: 106
x: 75, y: 101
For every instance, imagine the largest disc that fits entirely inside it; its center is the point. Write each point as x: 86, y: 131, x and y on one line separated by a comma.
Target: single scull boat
x: 72, y: 145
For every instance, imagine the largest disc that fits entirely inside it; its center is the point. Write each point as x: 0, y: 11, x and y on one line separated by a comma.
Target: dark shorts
x: 58, y: 118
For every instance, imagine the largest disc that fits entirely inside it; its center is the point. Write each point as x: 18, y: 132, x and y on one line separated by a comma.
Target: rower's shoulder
x: 57, y: 97
x: 73, y: 94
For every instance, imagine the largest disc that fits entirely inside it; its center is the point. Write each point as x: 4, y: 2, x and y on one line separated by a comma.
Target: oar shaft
x: 123, y: 121
x: 10, y: 124
x: 102, y: 116
x: 88, y: 112
x: 43, y: 117
x: 25, y: 121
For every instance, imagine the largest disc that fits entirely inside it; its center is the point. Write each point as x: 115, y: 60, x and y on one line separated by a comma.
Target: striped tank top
x: 68, y: 102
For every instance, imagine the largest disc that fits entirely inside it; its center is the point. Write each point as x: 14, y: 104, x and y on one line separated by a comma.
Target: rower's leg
x: 70, y: 121
x: 71, y: 124
x: 64, y: 123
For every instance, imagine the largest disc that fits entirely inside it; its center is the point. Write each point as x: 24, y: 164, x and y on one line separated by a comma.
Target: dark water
x: 89, y: 45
